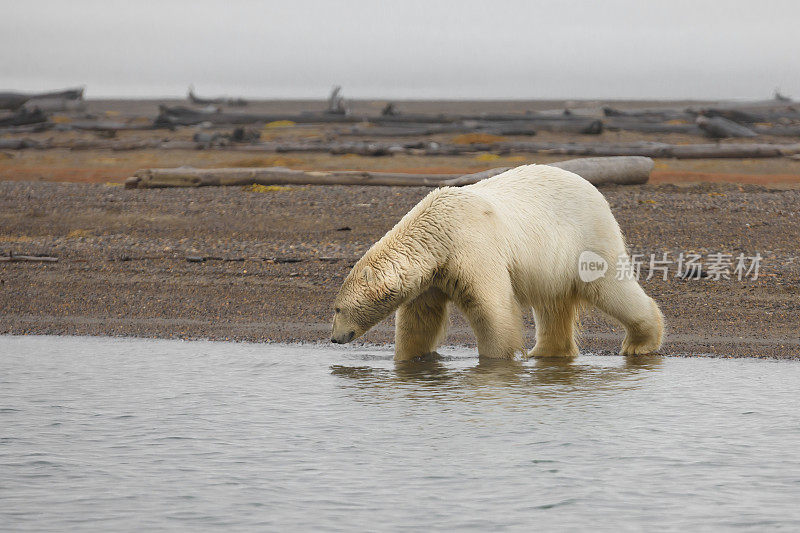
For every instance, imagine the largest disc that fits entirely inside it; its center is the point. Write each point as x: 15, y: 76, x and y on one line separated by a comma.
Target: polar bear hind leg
x: 627, y: 302
x: 421, y: 325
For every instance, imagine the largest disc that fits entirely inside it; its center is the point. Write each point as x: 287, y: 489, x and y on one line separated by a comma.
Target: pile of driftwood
x: 395, y: 132
x: 392, y: 124
x: 30, y: 112
x: 427, y: 148
x: 773, y: 117
x: 599, y: 171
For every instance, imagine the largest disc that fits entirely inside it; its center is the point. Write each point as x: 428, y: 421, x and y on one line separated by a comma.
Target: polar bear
x: 494, y: 248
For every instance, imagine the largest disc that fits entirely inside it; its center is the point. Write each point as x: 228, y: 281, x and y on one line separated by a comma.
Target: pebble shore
x: 230, y: 263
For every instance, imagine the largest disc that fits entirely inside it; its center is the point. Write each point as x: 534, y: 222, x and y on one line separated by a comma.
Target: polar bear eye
x: 337, y: 310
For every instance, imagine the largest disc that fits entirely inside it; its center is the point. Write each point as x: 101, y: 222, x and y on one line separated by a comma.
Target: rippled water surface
x: 114, y: 435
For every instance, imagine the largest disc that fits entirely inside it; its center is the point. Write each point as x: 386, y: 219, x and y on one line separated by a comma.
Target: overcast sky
x: 409, y: 49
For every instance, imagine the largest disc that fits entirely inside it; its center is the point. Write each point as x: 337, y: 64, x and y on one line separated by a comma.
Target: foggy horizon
x: 509, y: 50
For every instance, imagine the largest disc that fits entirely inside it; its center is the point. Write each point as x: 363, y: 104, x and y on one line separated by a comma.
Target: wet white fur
x: 495, y: 248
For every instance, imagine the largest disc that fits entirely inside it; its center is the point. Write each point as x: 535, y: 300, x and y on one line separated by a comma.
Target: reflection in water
x: 450, y: 378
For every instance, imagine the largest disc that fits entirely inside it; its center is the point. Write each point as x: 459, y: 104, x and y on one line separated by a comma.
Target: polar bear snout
x: 343, y: 338
x: 342, y: 331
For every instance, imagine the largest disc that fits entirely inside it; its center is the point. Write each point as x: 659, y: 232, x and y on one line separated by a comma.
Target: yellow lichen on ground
x: 78, y: 233
x: 279, y: 124
x: 264, y: 188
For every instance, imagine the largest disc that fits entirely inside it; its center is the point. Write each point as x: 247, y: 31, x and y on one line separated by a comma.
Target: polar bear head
x: 395, y: 269
x: 371, y: 291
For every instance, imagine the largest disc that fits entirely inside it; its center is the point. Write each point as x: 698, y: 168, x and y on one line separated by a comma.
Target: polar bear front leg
x: 555, y: 325
x: 495, y: 317
x: 421, y: 325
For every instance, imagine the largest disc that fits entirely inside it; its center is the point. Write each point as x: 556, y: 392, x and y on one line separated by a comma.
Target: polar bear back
x: 543, y: 219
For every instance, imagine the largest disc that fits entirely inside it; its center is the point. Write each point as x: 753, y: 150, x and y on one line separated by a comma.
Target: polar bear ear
x: 369, y: 275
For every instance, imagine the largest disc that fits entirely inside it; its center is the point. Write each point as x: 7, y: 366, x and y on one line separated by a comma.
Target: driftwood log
x: 192, y: 177
x: 645, y: 149
x: 17, y: 144
x: 734, y: 151
x: 772, y: 111
x: 652, y: 149
x: 336, y: 102
x: 649, y: 115
x: 235, y: 102
x: 565, y: 116
x: 596, y: 170
x: 23, y: 117
x: 646, y: 126
x: 12, y: 100
x: 54, y: 105
x: 101, y: 125
x: 586, y: 126
x: 370, y: 148
x: 781, y: 131
x: 422, y: 130
x: 180, y: 116
x: 420, y: 118
x: 620, y: 170
x: 27, y: 128
x: 544, y: 122
x: 404, y: 130
x: 744, y: 115
x: 28, y: 258
x: 721, y: 127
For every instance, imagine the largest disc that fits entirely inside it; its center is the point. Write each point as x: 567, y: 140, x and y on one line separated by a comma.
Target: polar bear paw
x: 542, y: 351
x: 639, y: 346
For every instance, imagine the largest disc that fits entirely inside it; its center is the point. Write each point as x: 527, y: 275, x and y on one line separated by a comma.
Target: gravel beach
x: 235, y: 264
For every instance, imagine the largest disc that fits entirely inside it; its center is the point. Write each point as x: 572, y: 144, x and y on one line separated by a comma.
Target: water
x: 121, y: 435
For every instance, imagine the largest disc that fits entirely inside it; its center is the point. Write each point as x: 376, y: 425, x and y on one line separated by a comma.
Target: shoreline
x: 685, y: 340
x: 123, y: 267
x: 266, y: 264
